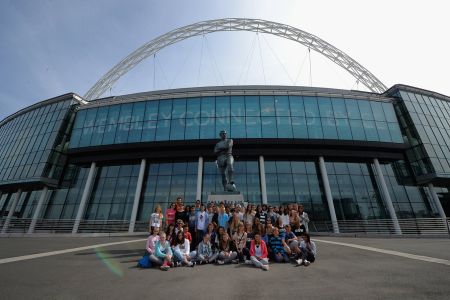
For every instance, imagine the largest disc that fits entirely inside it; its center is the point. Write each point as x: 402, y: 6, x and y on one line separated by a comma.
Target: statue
x: 225, y: 161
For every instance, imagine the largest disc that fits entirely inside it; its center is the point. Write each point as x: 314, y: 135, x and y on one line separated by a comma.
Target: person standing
x: 304, y: 218
x: 223, y: 217
x: 200, y: 224
x: 170, y: 214
x: 156, y: 219
x: 179, y: 207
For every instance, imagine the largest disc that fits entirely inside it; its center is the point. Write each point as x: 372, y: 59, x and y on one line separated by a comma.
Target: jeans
x: 211, y: 258
x: 259, y: 262
x: 179, y: 257
x: 227, y: 259
x: 280, y: 257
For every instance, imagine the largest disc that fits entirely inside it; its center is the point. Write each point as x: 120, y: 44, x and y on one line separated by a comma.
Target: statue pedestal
x: 226, y: 197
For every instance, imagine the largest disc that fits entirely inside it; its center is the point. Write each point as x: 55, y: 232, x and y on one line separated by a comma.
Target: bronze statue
x: 225, y: 161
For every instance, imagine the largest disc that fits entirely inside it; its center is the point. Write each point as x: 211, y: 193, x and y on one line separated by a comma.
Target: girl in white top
x: 156, y: 218
x: 181, y: 250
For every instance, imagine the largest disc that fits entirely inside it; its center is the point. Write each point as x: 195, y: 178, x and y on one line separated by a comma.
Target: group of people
x: 229, y: 233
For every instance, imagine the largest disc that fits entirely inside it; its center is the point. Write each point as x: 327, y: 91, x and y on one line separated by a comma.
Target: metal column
x: 38, y: 209
x: 85, y: 197
x: 438, y: 204
x: 262, y: 179
x: 326, y: 185
x: 11, y: 211
x: 198, y: 195
x: 387, y: 197
x: 137, y: 196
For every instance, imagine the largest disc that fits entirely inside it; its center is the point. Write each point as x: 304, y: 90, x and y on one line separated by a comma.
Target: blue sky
x: 51, y: 47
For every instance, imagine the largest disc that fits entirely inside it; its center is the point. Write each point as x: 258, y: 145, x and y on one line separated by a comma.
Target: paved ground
x: 340, y: 272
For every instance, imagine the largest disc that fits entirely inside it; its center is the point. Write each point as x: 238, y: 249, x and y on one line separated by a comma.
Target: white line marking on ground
x: 391, y: 252
x: 58, y: 252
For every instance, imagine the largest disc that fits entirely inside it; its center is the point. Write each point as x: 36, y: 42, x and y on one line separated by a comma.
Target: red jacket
x: 263, y: 246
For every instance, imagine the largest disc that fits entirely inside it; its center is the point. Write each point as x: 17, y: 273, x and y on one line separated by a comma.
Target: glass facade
x: 290, y: 117
x: 296, y: 181
x: 164, y: 182
x: 37, y: 147
x: 426, y: 123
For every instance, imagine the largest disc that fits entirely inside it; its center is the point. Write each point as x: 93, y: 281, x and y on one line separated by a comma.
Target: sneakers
x: 307, y: 263
x: 265, y: 267
x: 299, y: 262
x: 220, y: 262
x: 165, y: 267
x: 190, y: 264
x: 235, y: 261
x: 248, y: 262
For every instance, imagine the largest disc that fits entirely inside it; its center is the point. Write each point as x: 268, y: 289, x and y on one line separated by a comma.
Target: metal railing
x: 420, y: 226
x: 54, y: 226
x: 103, y: 226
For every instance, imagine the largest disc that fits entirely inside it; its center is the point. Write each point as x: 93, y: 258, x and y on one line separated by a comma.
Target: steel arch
x: 237, y: 24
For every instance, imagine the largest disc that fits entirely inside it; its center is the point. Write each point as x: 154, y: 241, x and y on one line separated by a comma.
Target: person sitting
x: 258, y: 253
x: 163, y: 252
x: 240, y: 240
x: 227, y: 250
x: 277, y: 244
x: 290, y: 240
x: 308, y: 250
x: 205, y: 252
x: 181, y: 250
x: 187, y: 234
x: 151, y: 242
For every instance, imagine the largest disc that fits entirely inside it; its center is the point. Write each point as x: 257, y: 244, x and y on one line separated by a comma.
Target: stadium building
x: 358, y: 161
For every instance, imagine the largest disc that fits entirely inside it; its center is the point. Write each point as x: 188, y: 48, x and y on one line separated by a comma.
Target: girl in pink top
x: 170, y: 214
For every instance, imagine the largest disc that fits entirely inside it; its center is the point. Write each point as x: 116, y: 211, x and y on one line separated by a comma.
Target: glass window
x: 165, y: 110
x: 343, y: 129
x: 370, y: 130
x: 122, y: 133
x: 352, y: 109
x: 223, y: 106
x: 377, y: 109
x: 383, y: 131
x: 192, y: 129
x: 109, y: 134
x: 314, y: 128
x: 299, y: 129
x: 208, y: 107
x: 138, y: 112
x: 284, y: 127
x: 207, y: 128
x: 269, y: 127
x: 151, y: 110
x: 357, y: 130
x: 237, y: 106
x: 253, y: 125
x: 97, y: 135
x: 125, y: 112
x: 296, y: 105
x: 79, y: 121
x: 267, y: 106
x: 75, y: 138
x: 162, y: 130
x: 389, y: 112
x: 86, y: 137
x: 179, y: 108
x: 311, y: 107
x: 193, y: 108
x: 339, y: 109
x: 282, y: 106
x: 90, y: 117
x: 252, y: 108
x: 395, y: 132
x: 148, y: 131
x: 329, y: 128
x: 222, y: 124
x: 238, y: 127
x: 135, y: 132
x: 366, y: 111
x: 102, y: 115
x: 325, y: 107
x: 113, y: 114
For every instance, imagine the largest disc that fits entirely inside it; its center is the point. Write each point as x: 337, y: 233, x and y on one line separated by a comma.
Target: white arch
x: 237, y: 24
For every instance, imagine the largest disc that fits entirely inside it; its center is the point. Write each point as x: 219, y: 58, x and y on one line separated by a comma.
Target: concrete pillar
x: 11, y: 211
x: 198, y: 195
x: 137, y: 195
x: 38, y: 209
x: 438, y: 204
x: 84, y: 197
x: 262, y: 179
x: 387, y: 197
x: 326, y: 185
